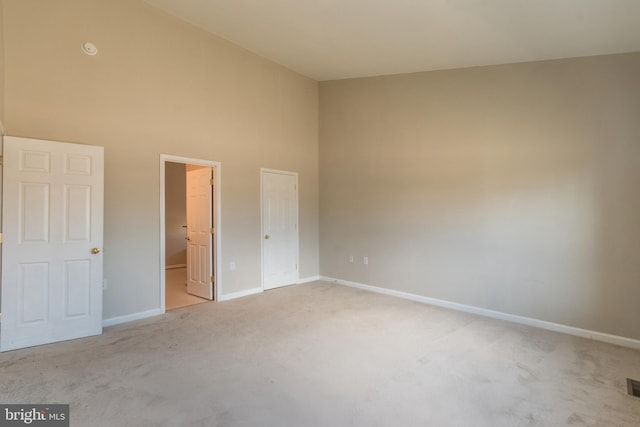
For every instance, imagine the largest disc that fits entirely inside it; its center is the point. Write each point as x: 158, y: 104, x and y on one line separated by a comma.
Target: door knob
x: 95, y: 251
x: 266, y: 237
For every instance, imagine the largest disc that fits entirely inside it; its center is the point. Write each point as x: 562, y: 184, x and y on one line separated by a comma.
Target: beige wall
x: 513, y: 188
x: 1, y: 111
x: 1, y: 67
x: 159, y: 85
x: 175, y: 214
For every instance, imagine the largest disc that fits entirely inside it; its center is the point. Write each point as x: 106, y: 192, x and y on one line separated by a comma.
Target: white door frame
x: 164, y: 158
x: 262, y: 233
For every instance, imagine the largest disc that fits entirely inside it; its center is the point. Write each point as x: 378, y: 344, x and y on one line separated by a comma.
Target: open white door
x: 51, y: 258
x: 200, y: 275
x: 279, y: 228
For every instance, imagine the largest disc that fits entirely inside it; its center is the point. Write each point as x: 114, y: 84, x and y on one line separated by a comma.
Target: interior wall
x: 175, y: 214
x: 159, y: 85
x: 512, y: 188
x: 1, y: 68
x: 1, y: 123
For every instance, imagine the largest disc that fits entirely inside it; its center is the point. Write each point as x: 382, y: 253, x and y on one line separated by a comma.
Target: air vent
x: 633, y: 387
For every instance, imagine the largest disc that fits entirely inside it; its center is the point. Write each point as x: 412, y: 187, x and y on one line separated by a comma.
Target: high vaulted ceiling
x: 336, y: 39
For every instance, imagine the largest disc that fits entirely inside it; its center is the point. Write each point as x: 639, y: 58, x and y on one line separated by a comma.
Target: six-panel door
x: 200, y: 274
x: 52, y: 249
x: 280, y: 228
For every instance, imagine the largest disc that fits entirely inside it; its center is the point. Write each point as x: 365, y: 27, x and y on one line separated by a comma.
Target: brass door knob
x: 266, y: 237
x: 95, y: 251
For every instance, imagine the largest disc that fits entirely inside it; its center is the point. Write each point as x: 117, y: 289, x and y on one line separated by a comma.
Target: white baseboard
x: 240, y: 294
x: 150, y: 313
x: 556, y: 327
x: 308, y: 279
x: 131, y: 317
x: 175, y: 266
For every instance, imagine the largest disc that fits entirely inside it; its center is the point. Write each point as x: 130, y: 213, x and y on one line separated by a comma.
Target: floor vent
x: 633, y: 387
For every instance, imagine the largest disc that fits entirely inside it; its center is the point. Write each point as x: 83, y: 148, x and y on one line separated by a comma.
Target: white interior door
x: 279, y: 228
x: 51, y: 258
x: 200, y: 274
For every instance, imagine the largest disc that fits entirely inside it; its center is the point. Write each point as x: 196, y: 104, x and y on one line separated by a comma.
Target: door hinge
x: 212, y: 182
x: 213, y: 231
x: 1, y: 160
x: 213, y: 279
x: 296, y: 266
x: 1, y: 237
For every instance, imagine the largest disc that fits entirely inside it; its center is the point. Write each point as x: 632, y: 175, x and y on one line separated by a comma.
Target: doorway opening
x: 189, y: 231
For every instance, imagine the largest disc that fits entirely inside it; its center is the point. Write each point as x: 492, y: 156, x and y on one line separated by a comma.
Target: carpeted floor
x: 323, y: 355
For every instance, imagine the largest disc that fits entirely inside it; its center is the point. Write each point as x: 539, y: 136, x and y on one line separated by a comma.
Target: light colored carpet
x: 323, y: 355
x: 176, y: 295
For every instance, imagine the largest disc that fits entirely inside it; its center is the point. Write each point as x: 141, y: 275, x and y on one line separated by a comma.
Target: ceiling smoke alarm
x: 89, y: 48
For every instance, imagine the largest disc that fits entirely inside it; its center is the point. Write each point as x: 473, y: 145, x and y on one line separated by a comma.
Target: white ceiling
x: 336, y: 39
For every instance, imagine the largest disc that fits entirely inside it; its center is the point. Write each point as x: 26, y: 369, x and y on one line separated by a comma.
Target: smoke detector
x: 89, y: 48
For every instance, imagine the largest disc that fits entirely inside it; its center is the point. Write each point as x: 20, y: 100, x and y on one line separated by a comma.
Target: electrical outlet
x: 366, y: 260
x: 351, y: 259
x: 232, y: 265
